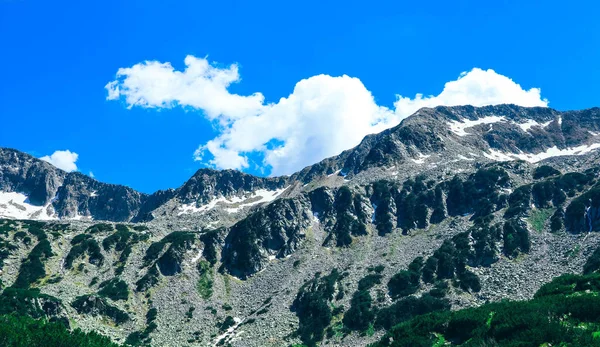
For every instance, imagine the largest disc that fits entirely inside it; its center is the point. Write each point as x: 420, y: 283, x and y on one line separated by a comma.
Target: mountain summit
x: 452, y: 210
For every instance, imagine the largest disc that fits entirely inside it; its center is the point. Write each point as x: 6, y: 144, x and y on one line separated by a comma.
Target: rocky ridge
x: 228, y: 257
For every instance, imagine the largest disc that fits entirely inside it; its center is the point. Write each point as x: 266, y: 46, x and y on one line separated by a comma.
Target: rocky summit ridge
x: 454, y: 207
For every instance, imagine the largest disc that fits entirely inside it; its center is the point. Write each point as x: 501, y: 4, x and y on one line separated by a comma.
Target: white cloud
x: 64, y: 160
x: 323, y: 116
x: 478, y: 88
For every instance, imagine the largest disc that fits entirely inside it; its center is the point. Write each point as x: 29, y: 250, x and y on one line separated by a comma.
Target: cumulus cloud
x: 323, y: 116
x: 64, y: 160
x: 478, y: 88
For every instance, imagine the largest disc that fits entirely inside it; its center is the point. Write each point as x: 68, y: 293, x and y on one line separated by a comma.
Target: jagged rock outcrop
x: 274, y: 231
x: 435, y: 213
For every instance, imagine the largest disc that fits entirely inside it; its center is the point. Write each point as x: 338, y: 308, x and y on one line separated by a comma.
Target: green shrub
x: 593, y: 262
x: 312, y: 307
x: 100, y: 227
x: 205, y: 283
x: 544, y: 171
x: 115, y: 289
x: 554, y: 317
x: 32, y: 268
x: 82, y: 244
x: 21, y: 331
x: 95, y: 305
x: 149, y: 280
x: 29, y: 302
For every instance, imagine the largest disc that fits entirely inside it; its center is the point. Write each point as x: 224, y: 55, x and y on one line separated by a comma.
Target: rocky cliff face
x: 452, y: 208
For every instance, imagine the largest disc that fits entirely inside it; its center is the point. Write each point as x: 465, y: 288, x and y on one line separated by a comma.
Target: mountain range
x: 453, y: 209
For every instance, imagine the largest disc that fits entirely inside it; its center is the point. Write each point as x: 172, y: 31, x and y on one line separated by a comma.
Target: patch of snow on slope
x: 459, y: 127
x: 264, y: 197
x: 421, y: 159
x: 528, y: 125
x: 192, y: 208
x: 258, y: 197
x: 230, y: 333
x: 16, y: 206
x: 547, y: 123
x: 94, y: 194
x: 197, y: 257
x: 335, y: 173
x: 534, y: 158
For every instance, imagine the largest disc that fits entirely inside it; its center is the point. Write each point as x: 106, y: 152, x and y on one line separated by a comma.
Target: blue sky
x: 57, y: 57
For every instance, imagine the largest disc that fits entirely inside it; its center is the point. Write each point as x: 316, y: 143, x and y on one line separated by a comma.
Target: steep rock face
x: 460, y: 136
x: 20, y: 172
x: 84, y: 196
x: 154, y: 201
x: 70, y: 195
x: 208, y: 183
x: 467, y: 133
x: 274, y: 231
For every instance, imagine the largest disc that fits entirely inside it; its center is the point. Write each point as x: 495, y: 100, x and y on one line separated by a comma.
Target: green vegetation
x: 243, y: 256
x: 190, y: 313
x: 140, y: 228
x: 555, y: 317
x: 169, y: 262
x: 346, y: 206
x: 28, y: 302
x: 205, y: 282
x: 556, y: 221
x: 142, y: 338
x: 312, y: 307
x: 360, y: 314
x: 210, y: 240
x: 538, y: 217
x: 7, y: 225
x: 479, y: 194
x: 21, y: 331
x: 516, y: 237
x: 226, y: 324
x: 100, y: 227
x: 96, y: 305
x: 150, y: 279
x: 32, y: 269
x: 115, y: 289
x: 82, y: 244
x: 407, y: 308
x: 544, y: 171
x: 593, y: 262
x: 6, y: 249
x: 122, y: 241
x: 406, y: 282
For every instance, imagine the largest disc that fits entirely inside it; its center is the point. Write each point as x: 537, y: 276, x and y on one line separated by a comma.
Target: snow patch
x: 335, y: 173
x: 528, y: 125
x: 458, y: 127
x: 373, y: 215
x: 421, y: 159
x: 259, y: 196
x: 230, y: 331
x: 197, y: 257
x: 549, y: 153
x: 316, y: 217
x: 16, y: 206
x: 93, y: 194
